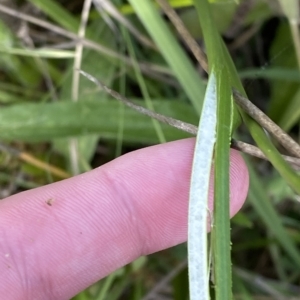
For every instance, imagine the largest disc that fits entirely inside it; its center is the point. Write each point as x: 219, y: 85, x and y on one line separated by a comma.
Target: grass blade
x: 220, y: 63
x: 127, y: 9
x: 171, y: 51
x: 269, y: 216
x: 197, y: 226
x: 58, y: 13
x: 46, y: 53
x: 45, y: 121
x: 142, y: 85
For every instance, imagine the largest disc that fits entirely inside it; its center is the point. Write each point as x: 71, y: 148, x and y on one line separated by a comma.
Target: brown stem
x: 184, y: 33
x: 28, y: 158
x: 190, y: 128
x: 282, y: 137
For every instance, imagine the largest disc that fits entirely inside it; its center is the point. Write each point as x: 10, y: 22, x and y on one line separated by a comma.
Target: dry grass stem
x: 167, y: 120
x: 159, y: 72
x: 184, y: 33
x: 28, y: 158
x: 109, y: 7
x: 146, y: 68
x: 187, y: 127
x: 282, y: 137
x: 164, y: 282
x: 251, y: 109
x: 73, y: 142
x: 254, y: 151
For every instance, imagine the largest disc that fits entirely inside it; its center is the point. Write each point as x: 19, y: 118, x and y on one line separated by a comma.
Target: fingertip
x: 105, y: 218
x: 239, y: 182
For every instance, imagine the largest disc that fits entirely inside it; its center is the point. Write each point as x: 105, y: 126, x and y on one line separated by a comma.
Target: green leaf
x: 21, y: 70
x: 105, y: 71
x: 222, y: 257
x: 128, y: 9
x: 58, y: 13
x: 214, y: 49
x: 272, y: 73
x: 282, y: 90
x: 46, y: 121
x: 226, y: 77
x: 291, y: 116
x: 265, y: 144
x: 143, y: 86
x: 172, y: 52
x: 47, y: 53
x: 259, y: 199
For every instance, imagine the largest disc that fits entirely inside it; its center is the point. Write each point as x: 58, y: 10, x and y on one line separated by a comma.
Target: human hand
x: 59, y: 239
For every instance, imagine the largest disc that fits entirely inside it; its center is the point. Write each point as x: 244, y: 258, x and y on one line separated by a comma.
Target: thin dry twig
x: 244, y: 37
x: 251, y: 109
x: 23, y: 34
x: 147, y: 68
x: 293, y: 147
x: 73, y: 142
x: 28, y: 158
x: 239, y: 17
x: 109, y: 7
x: 192, y: 129
x: 282, y: 137
x: 79, y: 48
x: 187, y: 127
x: 254, y: 151
x: 153, y: 293
x: 184, y: 33
x: 167, y: 120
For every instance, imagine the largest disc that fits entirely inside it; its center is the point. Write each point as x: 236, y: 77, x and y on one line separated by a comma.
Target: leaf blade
x: 197, y: 226
x: 171, y: 51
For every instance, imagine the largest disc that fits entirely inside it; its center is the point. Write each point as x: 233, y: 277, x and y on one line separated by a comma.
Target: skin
x: 58, y: 239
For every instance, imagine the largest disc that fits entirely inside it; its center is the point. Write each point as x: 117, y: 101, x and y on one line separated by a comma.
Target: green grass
x: 38, y: 113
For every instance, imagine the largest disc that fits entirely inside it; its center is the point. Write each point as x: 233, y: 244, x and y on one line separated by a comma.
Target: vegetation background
x: 54, y: 123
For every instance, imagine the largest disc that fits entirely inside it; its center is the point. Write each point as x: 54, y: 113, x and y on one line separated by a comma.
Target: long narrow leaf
x: 220, y: 64
x: 171, y: 51
x: 265, y: 144
x: 45, y: 121
x: 127, y: 9
x: 197, y: 226
x: 259, y: 199
x: 221, y: 242
x: 47, y: 53
x: 256, y: 131
x: 58, y: 13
